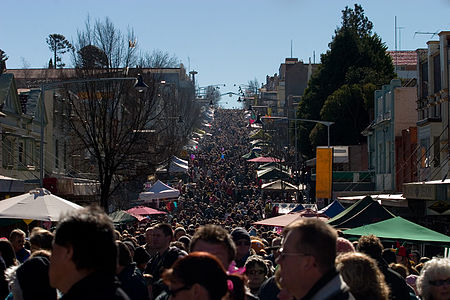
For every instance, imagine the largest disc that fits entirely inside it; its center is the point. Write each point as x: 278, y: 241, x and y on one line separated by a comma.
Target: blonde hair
x: 362, y: 275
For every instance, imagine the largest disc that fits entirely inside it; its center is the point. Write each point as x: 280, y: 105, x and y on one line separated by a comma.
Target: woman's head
x: 434, y: 280
x: 196, y: 273
x: 256, y: 270
x: 7, y: 253
x: 362, y: 275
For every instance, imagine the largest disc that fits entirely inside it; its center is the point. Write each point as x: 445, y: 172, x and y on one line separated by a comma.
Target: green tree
x: 356, y: 57
x: 58, y: 44
x: 91, y: 57
x: 3, y: 59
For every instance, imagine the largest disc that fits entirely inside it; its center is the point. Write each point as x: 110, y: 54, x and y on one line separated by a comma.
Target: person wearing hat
x: 241, y: 239
x: 30, y: 280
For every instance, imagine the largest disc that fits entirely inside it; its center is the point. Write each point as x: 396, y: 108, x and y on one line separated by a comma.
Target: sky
x: 226, y: 41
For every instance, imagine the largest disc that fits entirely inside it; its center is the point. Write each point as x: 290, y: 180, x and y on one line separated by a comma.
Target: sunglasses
x: 173, y: 293
x: 255, y: 272
x: 440, y: 282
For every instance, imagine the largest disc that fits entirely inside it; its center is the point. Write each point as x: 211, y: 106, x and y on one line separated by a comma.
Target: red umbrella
x: 284, y: 220
x: 144, y: 211
x: 263, y: 159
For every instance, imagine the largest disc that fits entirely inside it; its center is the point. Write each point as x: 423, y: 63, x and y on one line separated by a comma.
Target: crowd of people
x: 208, y: 248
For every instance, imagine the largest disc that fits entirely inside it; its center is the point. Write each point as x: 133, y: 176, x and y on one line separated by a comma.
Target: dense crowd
x: 207, y: 248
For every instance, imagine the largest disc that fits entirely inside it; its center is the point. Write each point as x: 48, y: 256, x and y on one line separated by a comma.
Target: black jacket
x: 96, y: 286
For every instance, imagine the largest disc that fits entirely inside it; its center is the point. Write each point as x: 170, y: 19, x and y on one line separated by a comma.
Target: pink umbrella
x: 263, y: 159
x: 144, y: 211
x: 284, y: 220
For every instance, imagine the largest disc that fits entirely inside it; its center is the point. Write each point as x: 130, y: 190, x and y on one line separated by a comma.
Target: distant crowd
x: 207, y: 248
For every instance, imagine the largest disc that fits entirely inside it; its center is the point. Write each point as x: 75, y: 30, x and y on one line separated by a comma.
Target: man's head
x: 84, y: 243
x: 370, y: 245
x: 308, y: 252
x: 162, y: 235
x: 214, y: 240
x: 17, y: 239
x: 41, y: 238
x: 241, y: 239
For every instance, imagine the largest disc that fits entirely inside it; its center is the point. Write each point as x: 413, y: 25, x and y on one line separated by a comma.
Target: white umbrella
x: 38, y: 204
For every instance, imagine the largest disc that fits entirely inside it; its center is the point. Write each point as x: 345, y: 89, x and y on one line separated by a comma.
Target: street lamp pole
x: 139, y: 85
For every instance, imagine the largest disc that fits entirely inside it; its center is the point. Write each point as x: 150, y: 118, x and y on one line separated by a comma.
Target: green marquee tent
x: 365, y: 211
x: 399, y: 229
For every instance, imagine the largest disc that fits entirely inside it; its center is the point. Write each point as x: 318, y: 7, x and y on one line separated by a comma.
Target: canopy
x: 400, y: 229
x: 122, y: 217
x: 264, y: 159
x: 250, y: 155
x: 260, y: 135
x: 272, y: 173
x: 285, y: 208
x: 11, y: 185
x: 180, y: 161
x: 38, y: 204
x: 279, y: 185
x: 365, y: 211
x: 144, y: 211
x: 298, y: 208
x: 176, y: 165
x: 159, y: 190
x: 333, y: 209
x: 284, y: 220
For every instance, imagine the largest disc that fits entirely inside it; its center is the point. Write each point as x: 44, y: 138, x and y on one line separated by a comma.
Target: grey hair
x: 436, y: 268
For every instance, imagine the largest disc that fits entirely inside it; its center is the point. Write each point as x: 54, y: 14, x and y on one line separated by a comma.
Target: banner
x: 324, y: 172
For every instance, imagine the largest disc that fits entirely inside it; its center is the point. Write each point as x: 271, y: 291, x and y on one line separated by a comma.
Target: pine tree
x: 58, y: 44
x: 3, y: 59
x: 356, y: 61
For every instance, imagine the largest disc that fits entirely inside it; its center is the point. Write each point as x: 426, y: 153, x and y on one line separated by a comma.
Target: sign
x: 324, y: 172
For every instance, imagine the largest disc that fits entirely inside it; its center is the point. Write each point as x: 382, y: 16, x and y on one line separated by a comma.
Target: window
x: 21, y: 155
x: 7, y: 153
x: 437, y: 73
x: 56, y: 154
x: 436, y: 152
x: 65, y: 155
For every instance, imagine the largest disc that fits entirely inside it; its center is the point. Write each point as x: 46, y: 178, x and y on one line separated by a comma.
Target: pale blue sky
x: 227, y: 41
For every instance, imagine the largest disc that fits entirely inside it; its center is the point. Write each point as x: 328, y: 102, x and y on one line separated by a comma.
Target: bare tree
x: 111, y: 120
x: 158, y: 59
x: 120, y: 49
x: 212, y: 94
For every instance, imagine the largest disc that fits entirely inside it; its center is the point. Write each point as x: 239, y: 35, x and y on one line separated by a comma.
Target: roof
x: 403, y: 58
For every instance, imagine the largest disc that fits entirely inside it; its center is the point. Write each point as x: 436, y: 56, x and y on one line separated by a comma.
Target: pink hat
x: 343, y: 245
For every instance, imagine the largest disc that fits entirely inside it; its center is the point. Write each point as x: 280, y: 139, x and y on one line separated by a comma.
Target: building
x: 71, y: 172
x: 394, y: 111
x: 20, y: 125
x: 405, y: 64
x: 431, y: 194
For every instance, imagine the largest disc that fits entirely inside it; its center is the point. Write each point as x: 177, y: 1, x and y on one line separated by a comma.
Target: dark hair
x: 141, y: 255
x: 318, y: 239
x: 90, y: 233
x: 214, y: 234
x: 165, y: 228
x: 41, y: 238
x: 16, y: 233
x: 205, y: 269
x: 7, y: 252
x: 389, y: 255
x: 256, y: 260
x: 124, y: 254
x: 370, y: 245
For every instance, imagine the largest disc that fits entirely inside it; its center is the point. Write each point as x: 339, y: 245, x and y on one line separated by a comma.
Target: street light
x: 139, y: 85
